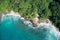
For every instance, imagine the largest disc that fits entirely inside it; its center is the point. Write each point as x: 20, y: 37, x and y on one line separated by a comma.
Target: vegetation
x: 55, y: 11
x: 29, y: 8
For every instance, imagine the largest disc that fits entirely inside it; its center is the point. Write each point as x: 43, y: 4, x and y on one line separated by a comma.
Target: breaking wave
x: 15, y: 27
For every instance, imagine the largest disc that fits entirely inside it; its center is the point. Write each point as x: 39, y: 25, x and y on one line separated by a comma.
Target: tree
x: 54, y: 7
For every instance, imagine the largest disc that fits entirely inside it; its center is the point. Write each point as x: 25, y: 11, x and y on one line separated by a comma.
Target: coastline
x: 0, y: 17
x: 34, y: 21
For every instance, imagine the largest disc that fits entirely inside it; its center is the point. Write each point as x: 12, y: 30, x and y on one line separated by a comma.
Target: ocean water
x: 14, y: 28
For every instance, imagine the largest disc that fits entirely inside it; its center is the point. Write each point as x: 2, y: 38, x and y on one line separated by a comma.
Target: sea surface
x: 13, y: 28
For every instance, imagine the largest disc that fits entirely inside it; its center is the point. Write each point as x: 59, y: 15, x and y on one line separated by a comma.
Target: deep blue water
x: 13, y: 28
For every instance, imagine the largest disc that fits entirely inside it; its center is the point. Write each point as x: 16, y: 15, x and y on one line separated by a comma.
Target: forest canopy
x: 29, y: 8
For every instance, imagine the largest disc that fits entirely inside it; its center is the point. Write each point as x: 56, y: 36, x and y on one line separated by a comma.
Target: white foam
x: 45, y: 25
x: 13, y: 13
x: 52, y: 28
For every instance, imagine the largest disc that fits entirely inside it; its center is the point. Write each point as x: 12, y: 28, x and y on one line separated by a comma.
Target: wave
x: 46, y: 27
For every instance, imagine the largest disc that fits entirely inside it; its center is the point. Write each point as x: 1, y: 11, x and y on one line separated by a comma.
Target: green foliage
x: 55, y: 9
x: 29, y: 8
x: 3, y: 5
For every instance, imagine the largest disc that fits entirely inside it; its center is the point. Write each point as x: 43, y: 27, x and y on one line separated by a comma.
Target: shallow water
x: 13, y: 28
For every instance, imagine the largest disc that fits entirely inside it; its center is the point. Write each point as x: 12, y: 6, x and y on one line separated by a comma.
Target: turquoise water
x: 13, y: 28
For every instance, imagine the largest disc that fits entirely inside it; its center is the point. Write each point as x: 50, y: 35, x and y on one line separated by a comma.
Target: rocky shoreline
x: 34, y: 21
